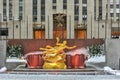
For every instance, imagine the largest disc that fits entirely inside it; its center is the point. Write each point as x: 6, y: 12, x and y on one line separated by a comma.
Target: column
x: 48, y: 19
x: 70, y: 19
x: 28, y: 12
x: 91, y: 28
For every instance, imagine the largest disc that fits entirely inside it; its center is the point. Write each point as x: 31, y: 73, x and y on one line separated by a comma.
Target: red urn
x: 69, y: 61
x: 34, y: 61
x: 78, y: 61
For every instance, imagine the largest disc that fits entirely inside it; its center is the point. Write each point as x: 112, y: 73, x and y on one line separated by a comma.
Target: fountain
x: 54, y: 57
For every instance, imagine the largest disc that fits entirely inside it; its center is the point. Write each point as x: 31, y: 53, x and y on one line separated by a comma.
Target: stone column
x: 48, y: 20
x: 114, y: 1
x: 70, y: 19
x: 2, y: 53
x: 108, y: 21
x: 90, y: 19
x: 29, y: 15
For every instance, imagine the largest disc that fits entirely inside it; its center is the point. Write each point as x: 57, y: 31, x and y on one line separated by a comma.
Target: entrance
x: 59, y: 26
x: 80, y: 33
x: 39, y: 33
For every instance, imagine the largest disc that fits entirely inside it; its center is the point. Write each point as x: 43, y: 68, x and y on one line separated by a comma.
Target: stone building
x: 67, y: 19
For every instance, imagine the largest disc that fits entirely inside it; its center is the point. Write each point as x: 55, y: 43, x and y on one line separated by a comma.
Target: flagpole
x: 119, y: 19
x: 27, y: 27
x: 13, y: 27
x: 98, y: 27
x: 111, y: 27
x: 91, y: 25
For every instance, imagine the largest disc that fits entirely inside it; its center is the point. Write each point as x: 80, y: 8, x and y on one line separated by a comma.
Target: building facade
x: 67, y: 19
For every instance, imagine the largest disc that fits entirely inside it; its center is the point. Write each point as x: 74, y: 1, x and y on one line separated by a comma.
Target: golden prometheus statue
x: 54, y: 57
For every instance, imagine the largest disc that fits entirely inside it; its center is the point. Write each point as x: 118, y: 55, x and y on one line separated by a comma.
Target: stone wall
x: 30, y: 45
x: 113, y: 53
x: 2, y: 53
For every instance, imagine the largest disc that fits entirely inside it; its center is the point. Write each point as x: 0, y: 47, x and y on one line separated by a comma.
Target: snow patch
x: 3, y: 69
x: 110, y: 70
x: 97, y: 59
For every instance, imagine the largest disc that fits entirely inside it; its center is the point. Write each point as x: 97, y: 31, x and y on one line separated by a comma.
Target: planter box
x: 76, y: 61
x: 34, y: 60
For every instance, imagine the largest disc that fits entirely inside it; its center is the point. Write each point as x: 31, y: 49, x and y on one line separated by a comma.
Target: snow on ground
x: 97, y: 62
x: 110, y: 70
x: 15, y: 60
x: 96, y: 59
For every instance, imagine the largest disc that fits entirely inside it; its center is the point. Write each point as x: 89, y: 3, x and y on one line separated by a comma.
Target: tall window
x: 76, y: 10
x: 54, y: 1
x: 84, y: 1
x: 42, y: 10
x: 4, y: 11
x: 84, y: 10
x: 100, y: 9
x: 10, y: 10
x: 34, y: 10
x: 54, y: 4
x: 64, y: 4
x: 20, y: 9
x: 95, y: 9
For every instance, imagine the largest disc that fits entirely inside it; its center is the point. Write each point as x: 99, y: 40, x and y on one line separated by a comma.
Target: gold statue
x: 54, y: 57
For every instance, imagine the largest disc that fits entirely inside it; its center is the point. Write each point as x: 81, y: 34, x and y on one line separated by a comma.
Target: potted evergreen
x: 96, y: 50
x: 14, y: 51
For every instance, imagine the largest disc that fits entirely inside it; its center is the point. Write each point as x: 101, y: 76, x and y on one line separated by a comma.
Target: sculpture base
x: 57, y: 65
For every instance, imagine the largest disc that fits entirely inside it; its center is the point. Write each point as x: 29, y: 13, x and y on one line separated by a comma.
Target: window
x: 84, y: 11
x: 100, y: 9
x: 10, y: 9
x: 54, y: 6
x: 84, y: 1
x: 20, y: 9
x: 53, y: 1
x: 42, y: 10
x: 95, y: 9
x: 76, y: 10
x: 64, y: 4
x: 76, y: 1
x: 111, y: 5
x: 43, y: 17
x: 111, y: 14
x: 4, y: 11
x: 76, y: 18
x: 34, y: 10
x: 117, y: 14
x: 34, y: 1
x: 118, y: 5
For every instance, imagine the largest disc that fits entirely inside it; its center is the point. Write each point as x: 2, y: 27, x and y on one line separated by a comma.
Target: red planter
x: 78, y: 61
x: 34, y: 61
x: 69, y: 61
